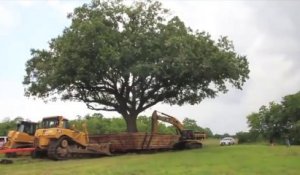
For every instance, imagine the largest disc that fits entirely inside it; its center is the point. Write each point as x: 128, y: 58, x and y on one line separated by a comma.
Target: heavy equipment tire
x: 6, y: 161
x: 193, y: 145
x: 179, y: 146
x: 35, y: 154
x: 64, y: 143
x: 11, y: 155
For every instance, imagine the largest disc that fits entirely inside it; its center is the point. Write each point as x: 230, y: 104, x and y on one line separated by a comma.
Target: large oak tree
x: 127, y: 58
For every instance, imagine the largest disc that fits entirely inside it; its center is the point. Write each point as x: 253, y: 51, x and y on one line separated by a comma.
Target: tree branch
x: 99, y: 108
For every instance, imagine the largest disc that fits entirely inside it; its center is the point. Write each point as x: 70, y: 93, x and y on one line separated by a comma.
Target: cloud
x: 275, y: 54
x: 9, y: 19
x: 279, y: 24
x: 27, y: 3
x: 65, y: 7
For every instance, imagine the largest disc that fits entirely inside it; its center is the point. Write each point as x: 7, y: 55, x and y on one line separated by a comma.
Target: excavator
x: 188, y: 139
x: 22, y: 137
x: 58, y: 141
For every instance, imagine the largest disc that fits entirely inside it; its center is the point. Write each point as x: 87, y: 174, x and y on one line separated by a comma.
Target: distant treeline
x: 98, y: 124
x: 275, y: 123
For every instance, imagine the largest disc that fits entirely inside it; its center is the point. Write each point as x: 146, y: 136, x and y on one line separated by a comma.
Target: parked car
x: 3, y: 140
x: 227, y: 141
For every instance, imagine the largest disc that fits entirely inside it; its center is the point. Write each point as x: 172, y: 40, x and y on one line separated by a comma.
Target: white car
x: 227, y: 141
x: 3, y: 140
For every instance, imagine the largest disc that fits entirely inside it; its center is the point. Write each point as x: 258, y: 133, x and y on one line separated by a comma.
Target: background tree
x: 127, y: 58
x: 190, y: 124
x: 208, y: 132
x: 278, y: 120
x: 291, y: 117
x: 7, y: 124
x: 98, y: 124
x: 267, y: 122
x: 249, y: 137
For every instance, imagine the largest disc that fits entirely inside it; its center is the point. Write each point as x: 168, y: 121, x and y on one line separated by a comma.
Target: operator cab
x: 27, y: 127
x: 55, y: 122
x: 190, y: 134
x: 187, y: 134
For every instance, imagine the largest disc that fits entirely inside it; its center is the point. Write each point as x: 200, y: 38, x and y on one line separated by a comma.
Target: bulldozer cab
x: 27, y: 127
x: 55, y: 122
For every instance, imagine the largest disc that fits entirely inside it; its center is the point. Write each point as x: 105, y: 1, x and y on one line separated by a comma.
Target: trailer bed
x: 128, y: 142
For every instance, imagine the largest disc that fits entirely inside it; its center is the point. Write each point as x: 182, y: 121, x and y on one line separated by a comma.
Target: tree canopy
x: 127, y: 58
x: 192, y: 125
x: 278, y: 120
x: 6, y: 125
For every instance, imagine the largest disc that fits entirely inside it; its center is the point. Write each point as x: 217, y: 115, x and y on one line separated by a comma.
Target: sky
x: 267, y: 32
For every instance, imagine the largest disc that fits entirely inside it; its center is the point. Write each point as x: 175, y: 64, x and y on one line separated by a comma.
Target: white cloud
x: 9, y: 20
x: 27, y: 3
x: 64, y: 7
x: 13, y: 103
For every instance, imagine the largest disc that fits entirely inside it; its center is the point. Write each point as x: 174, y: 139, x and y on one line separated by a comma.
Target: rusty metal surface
x: 125, y: 142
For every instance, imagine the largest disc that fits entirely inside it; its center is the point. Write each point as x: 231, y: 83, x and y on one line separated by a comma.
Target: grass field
x: 211, y: 160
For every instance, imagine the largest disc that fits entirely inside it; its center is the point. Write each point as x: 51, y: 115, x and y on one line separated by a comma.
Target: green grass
x: 211, y: 160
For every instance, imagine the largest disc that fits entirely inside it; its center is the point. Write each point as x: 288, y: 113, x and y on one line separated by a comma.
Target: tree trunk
x: 131, y: 123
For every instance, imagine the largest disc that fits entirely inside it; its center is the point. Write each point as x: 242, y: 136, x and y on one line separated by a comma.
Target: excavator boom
x: 188, y: 138
x: 165, y: 118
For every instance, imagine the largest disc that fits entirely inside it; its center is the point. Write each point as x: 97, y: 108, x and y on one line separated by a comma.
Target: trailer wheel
x: 37, y: 154
x: 193, y: 145
x: 10, y: 155
x: 179, y: 146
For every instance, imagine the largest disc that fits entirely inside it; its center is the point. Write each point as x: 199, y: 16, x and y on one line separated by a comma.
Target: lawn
x: 211, y: 160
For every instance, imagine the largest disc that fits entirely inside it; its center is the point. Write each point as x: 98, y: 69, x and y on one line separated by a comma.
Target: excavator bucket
x: 154, y: 122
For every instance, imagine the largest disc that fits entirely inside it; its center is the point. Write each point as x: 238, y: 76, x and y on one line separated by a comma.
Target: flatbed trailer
x: 124, y: 142
x: 135, y: 142
x: 15, y: 150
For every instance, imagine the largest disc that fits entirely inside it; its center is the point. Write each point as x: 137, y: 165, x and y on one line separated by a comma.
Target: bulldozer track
x: 60, y: 150
x: 53, y: 148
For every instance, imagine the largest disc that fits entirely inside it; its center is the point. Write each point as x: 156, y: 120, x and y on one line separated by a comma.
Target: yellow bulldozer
x: 22, y: 137
x: 58, y: 141
x: 188, y: 139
